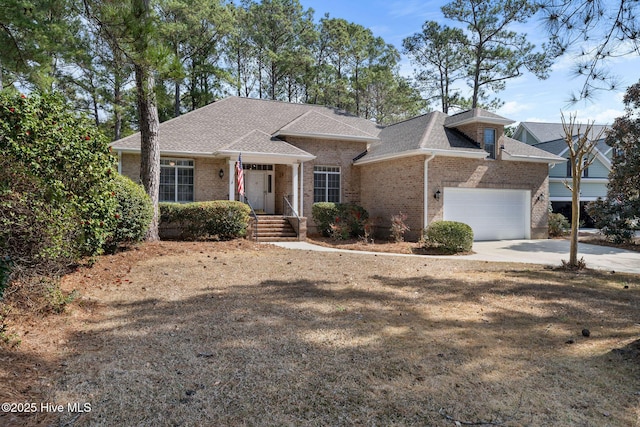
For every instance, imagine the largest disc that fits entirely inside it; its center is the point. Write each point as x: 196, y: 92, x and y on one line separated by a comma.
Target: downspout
x: 426, y: 191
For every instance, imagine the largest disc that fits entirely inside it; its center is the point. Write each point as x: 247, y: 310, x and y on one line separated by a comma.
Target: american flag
x: 240, y: 175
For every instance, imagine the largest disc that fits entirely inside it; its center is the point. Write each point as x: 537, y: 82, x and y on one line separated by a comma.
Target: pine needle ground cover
x: 237, y: 333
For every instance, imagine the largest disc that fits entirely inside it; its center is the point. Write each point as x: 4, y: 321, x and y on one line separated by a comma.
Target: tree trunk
x: 149, y: 147
x: 575, y: 214
x: 176, y: 99
x: 117, y: 109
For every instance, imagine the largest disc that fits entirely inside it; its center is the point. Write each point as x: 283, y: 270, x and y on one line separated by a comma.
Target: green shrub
x: 340, y: 220
x: 218, y: 219
x: 612, y: 218
x: 56, y: 184
x: 133, y: 213
x: 449, y: 236
x: 558, y: 225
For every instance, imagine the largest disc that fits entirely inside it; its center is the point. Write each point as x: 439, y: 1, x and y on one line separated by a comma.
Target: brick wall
x: 207, y: 182
x: 470, y: 173
x: 391, y: 187
x: 397, y: 186
x: 328, y: 153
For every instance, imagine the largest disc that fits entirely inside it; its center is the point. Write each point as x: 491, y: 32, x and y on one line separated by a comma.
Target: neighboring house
x: 550, y: 137
x: 432, y: 167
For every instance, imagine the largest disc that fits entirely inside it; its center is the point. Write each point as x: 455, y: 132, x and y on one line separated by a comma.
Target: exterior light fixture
x: 221, y: 173
x: 437, y: 195
x: 541, y: 197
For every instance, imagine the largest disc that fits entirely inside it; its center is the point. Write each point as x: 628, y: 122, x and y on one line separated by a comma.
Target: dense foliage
x: 200, y: 51
x: 132, y: 215
x: 56, y: 183
x: 340, y: 220
x: 619, y: 214
x: 217, y: 220
x: 485, y: 52
x: 449, y: 236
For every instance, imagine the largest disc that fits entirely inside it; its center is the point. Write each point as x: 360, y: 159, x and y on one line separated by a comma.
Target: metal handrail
x: 255, y: 218
x: 287, y: 208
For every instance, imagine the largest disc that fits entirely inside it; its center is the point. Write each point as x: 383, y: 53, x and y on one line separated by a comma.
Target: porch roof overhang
x: 475, y: 154
x: 262, y: 157
x: 260, y: 147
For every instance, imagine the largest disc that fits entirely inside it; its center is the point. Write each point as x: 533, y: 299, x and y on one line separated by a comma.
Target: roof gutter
x: 421, y: 152
x: 532, y: 159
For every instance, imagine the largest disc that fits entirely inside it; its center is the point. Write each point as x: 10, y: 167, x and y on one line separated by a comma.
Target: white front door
x: 259, y: 189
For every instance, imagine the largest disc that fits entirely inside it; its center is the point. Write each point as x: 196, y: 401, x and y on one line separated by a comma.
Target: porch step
x: 275, y: 229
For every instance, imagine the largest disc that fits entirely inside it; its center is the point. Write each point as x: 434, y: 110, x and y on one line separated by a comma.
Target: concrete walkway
x: 546, y: 252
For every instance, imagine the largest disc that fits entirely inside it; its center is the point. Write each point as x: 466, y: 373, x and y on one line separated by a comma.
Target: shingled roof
x: 258, y: 127
x: 550, y: 136
x: 424, y: 133
x: 212, y: 128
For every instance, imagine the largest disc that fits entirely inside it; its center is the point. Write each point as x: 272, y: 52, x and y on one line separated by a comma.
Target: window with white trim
x: 326, y: 184
x: 176, y: 180
x: 490, y: 142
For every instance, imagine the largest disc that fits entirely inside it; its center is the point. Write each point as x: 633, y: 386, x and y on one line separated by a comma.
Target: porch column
x: 294, y: 186
x: 232, y: 179
x: 301, y: 213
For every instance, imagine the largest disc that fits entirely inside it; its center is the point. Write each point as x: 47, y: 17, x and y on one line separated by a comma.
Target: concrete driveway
x: 553, y: 251
x: 546, y: 252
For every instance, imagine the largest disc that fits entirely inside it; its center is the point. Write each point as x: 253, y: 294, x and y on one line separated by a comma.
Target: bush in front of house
x: 558, y: 224
x: 448, y: 236
x: 133, y: 213
x: 56, y: 184
x: 215, y: 220
x: 340, y: 220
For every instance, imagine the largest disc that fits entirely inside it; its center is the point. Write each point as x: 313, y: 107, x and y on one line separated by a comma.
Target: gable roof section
x: 476, y: 115
x: 514, y: 150
x: 548, y: 132
x: 258, y: 142
x: 318, y: 125
x: 424, y: 134
x: 209, y: 129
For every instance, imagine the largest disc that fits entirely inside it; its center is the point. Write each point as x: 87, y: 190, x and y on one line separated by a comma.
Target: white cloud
x: 513, y: 107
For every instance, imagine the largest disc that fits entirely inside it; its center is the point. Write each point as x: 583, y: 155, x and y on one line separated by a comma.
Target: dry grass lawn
x: 239, y: 334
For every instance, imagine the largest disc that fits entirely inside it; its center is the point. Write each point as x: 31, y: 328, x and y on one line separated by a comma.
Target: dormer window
x: 490, y: 142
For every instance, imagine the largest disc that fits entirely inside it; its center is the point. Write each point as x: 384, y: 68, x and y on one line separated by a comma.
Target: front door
x: 259, y: 189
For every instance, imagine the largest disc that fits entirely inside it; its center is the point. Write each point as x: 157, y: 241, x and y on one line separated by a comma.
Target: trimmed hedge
x: 450, y: 236
x: 133, y: 213
x: 215, y: 220
x: 341, y: 219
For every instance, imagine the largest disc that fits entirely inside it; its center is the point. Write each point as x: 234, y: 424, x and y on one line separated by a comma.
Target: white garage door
x: 492, y: 214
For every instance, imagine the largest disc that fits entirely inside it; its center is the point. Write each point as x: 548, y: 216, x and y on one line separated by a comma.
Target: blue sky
x: 526, y: 98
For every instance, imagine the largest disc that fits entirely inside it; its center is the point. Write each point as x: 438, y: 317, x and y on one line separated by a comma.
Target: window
x: 326, y: 184
x: 176, y: 180
x: 585, y: 172
x: 490, y: 142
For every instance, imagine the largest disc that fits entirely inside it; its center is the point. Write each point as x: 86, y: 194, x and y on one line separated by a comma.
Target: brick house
x: 431, y: 167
